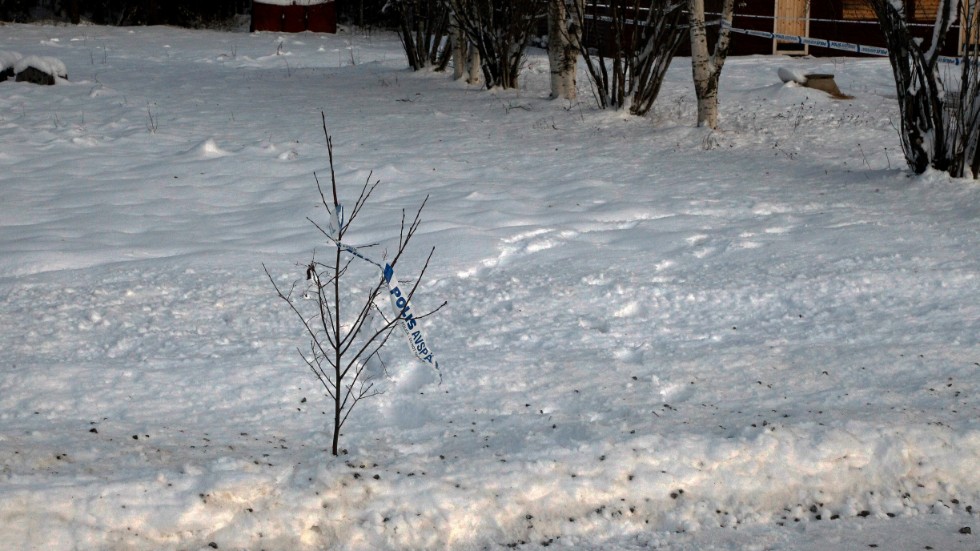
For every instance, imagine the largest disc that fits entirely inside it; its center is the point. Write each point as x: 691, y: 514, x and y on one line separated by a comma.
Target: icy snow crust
x: 657, y: 337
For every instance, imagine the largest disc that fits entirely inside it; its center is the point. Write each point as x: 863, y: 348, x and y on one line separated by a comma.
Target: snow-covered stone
x: 40, y: 69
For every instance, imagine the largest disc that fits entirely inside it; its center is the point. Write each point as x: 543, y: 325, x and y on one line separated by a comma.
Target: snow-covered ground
x: 657, y: 337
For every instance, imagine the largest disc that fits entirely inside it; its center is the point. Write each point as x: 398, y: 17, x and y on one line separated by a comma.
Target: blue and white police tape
x: 399, y: 299
x: 830, y: 44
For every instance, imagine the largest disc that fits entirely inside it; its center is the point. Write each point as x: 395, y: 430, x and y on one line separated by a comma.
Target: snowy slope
x: 657, y: 337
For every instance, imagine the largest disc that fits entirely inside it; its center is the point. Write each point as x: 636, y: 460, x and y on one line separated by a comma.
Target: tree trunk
x: 564, y: 34
x: 706, y: 66
x: 459, y: 49
x: 473, y: 66
x: 338, y: 351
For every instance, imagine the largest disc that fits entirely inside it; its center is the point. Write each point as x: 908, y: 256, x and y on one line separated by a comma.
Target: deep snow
x: 764, y: 337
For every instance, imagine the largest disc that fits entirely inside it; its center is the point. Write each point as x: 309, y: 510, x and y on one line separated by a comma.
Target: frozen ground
x: 657, y: 337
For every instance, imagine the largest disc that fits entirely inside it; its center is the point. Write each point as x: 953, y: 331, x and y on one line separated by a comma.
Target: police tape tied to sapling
x: 346, y: 333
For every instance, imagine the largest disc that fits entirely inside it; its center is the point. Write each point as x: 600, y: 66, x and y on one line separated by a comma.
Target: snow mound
x: 791, y: 75
x: 208, y: 149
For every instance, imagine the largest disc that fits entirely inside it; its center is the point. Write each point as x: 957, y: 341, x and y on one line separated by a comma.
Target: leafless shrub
x: 500, y: 32
x: 635, y: 41
x: 423, y: 27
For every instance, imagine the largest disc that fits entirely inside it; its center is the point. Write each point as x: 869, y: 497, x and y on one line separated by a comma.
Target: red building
x: 293, y: 16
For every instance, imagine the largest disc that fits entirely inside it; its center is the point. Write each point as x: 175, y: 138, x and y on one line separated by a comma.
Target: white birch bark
x: 564, y: 34
x: 706, y: 66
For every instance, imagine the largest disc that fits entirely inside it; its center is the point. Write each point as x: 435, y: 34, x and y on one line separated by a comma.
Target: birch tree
x: 940, y: 118
x: 564, y: 38
x: 707, y: 66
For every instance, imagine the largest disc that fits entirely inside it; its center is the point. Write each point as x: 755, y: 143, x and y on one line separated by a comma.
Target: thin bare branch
x: 366, y: 192
x: 377, y: 340
x: 306, y: 323
x: 333, y: 175
x: 318, y: 371
x: 361, y: 319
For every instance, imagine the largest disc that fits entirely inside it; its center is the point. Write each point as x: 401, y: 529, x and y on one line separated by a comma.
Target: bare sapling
x: 346, y: 324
